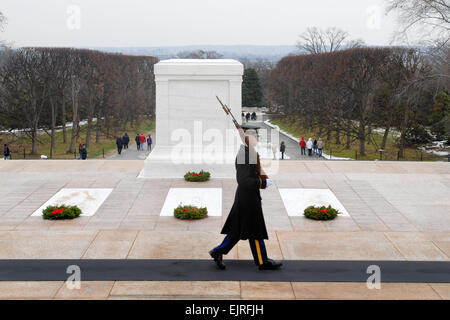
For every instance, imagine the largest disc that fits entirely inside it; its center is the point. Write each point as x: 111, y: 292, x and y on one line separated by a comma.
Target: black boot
x: 217, y: 259
x: 270, y: 265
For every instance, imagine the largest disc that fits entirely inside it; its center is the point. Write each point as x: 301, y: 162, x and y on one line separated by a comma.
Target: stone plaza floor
x: 397, y: 211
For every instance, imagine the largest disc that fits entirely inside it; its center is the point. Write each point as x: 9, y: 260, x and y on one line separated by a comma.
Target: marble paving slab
x: 296, y: 200
x: 88, y: 200
x: 211, y: 198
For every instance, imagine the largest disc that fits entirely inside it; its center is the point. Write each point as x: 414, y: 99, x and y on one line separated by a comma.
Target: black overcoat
x: 246, y: 220
x: 83, y: 153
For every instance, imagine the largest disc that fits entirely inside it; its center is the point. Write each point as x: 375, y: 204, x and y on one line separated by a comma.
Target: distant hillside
x: 251, y: 52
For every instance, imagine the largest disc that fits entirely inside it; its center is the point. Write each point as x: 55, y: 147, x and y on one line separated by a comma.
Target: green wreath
x: 61, y: 212
x: 190, y: 212
x: 197, y: 177
x: 321, y: 213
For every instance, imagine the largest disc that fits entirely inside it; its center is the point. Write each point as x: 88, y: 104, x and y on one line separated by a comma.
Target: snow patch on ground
x: 436, y: 145
x: 395, y: 134
x: 439, y: 153
x: 41, y: 131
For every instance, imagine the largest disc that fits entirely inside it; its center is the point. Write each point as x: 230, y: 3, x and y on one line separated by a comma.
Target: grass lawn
x: 339, y: 150
x: 95, y: 150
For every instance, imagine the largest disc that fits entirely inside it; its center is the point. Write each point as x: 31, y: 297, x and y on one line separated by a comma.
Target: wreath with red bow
x: 190, y: 212
x: 61, y: 212
x: 197, y: 177
x: 321, y: 213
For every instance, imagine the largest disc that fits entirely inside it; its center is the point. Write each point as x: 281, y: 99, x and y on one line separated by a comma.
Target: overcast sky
x: 187, y: 22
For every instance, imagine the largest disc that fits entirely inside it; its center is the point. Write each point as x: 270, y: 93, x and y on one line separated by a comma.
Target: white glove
x: 268, y: 182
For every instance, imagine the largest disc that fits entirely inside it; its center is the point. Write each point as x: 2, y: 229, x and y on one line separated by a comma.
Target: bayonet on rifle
x: 228, y: 112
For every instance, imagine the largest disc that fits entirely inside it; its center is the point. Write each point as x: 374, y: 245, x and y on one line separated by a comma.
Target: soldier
x: 246, y: 220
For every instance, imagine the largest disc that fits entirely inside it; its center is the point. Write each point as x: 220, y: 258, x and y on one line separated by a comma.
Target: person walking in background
x: 309, y: 146
x: 303, y: 146
x: 274, y: 151
x: 142, y: 140
x: 126, y: 141
x: 80, y: 147
x: 149, y: 143
x: 282, y: 149
x: 138, y: 143
x: 119, y: 144
x: 6, y: 152
x: 315, y: 146
x: 320, y: 146
x: 83, y: 152
x: 247, y: 116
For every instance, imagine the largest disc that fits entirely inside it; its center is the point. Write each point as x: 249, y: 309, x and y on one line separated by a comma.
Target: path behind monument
x: 132, y: 153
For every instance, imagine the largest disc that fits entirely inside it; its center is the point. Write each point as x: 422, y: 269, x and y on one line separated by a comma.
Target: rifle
x: 228, y: 112
x: 236, y: 124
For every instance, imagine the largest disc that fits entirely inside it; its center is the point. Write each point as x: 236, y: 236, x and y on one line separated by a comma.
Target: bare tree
x: 35, y: 82
x: 351, y: 91
x: 428, y: 18
x: 26, y: 82
x: 76, y: 86
x: 76, y: 66
x: 315, y: 40
x: 2, y: 25
x: 2, y: 21
x: 58, y: 59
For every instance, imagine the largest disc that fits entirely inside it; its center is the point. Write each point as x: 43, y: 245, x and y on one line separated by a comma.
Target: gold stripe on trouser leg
x: 258, y: 251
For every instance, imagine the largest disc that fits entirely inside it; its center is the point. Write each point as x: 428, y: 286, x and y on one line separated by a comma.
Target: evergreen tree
x: 251, y: 89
